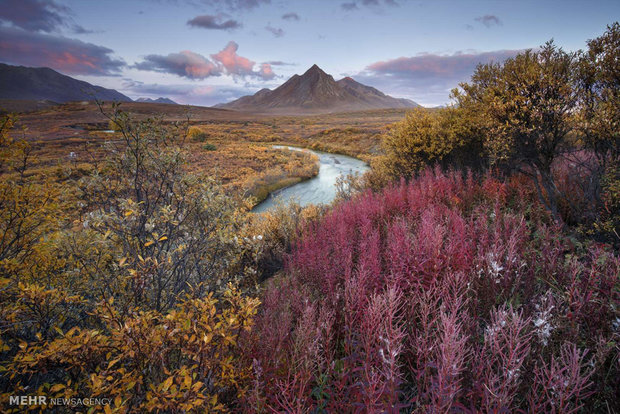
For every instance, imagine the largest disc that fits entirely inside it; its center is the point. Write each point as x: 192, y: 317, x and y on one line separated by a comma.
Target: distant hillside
x: 316, y: 92
x: 20, y: 82
x: 158, y: 100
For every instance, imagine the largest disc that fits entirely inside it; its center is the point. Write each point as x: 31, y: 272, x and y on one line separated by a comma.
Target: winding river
x: 320, y: 189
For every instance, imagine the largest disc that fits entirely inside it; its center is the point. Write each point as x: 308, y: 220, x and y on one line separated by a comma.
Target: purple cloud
x: 39, y: 16
x: 427, y: 65
x: 186, y: 64
x: 427, y: 78
x: 489, y: 20
x: 291, y: 16
x: 222, y: 4
x: 214, y: 22
x: 280, y: 63
x: 237, y: 4
x: 275, y: 31
x: 70, y: 56
x: 353, y: 5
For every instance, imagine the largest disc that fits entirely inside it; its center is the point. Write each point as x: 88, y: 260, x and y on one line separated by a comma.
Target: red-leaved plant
x: 444, y: 294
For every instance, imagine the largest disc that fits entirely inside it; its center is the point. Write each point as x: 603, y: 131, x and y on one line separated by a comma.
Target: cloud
x: 265, y: 71
x: 77, y: 29
x: 427, y: 65
x: 239, y: 65
x: 275, y: 31
x: 69, y: 56
x: 377, y: 4
x: 214, y: 22
x: 186, y: 64
x: 489, y: 20
x: 290, y: 16
x: 192, y: 65
x: 237, y: 4
x: 232, y: 62
x: 281, y: 63
x: 39, y: 16
x: 426, y: 77
x: 34, y: 15
x: 232, y: 5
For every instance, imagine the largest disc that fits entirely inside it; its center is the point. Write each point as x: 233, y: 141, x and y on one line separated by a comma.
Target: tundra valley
x: 310, y: 232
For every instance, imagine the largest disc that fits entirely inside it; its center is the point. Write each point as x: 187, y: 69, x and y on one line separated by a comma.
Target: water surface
x: 320, y: 189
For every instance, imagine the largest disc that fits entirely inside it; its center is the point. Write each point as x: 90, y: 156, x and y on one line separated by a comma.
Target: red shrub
x: 439, y: 295
x: 560, y: 385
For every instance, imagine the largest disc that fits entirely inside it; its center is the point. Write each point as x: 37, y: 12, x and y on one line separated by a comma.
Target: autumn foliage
x: 432, y: 285
x: 127, y: 284
x: 444, y: 294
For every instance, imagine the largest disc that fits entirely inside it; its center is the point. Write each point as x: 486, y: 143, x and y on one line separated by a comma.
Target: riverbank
x: 321, y: 188
x: 266, y: 190
x: 303, y: 165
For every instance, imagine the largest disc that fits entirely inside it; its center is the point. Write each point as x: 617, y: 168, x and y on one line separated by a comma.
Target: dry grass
x: 234, y: 146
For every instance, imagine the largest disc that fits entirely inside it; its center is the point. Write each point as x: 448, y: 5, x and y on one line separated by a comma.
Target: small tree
x: 154, y: 229
x: 526, y: 105
x: 599, y: 124
x: 599, y: 93
x: 448, y: 137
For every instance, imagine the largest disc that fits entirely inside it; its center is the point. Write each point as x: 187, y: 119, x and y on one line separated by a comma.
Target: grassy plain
x: 233, y: 146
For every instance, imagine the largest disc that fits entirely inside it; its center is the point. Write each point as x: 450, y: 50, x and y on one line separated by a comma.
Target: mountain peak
x: 315, y: 69
x: 317, y: 92
x: 161, y: 99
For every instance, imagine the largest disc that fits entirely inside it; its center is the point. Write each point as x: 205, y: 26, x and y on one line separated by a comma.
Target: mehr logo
x: 43, y: 400
x: 27, y: 400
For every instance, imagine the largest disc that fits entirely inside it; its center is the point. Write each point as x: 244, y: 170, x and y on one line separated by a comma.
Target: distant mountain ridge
x: 315, y: 92
x: 25, y: 83
x: 158, y: 100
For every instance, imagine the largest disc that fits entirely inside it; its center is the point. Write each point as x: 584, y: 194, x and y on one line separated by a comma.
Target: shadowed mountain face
x: 158, y: 100
x: 20, y: 82
x: 314, y: 92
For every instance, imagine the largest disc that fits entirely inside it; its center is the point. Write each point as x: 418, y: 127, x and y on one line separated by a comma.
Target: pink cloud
x: 197, y: 66
x: 232, y: 62
x: 70, y: 56
x: 266, y: 72
x: 192, y: 65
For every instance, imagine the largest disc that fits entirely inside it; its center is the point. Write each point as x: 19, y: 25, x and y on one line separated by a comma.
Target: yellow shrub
x: 196, y: 134
x: 180, y: 361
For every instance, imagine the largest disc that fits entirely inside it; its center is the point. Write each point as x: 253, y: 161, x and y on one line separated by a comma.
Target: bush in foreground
x: 444, y: 294
x: 117, y: 285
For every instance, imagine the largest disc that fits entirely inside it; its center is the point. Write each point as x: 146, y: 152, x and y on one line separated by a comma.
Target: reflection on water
x: 320, y: 189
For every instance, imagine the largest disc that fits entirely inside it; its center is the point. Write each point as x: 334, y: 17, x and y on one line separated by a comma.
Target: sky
x: 205, y: 52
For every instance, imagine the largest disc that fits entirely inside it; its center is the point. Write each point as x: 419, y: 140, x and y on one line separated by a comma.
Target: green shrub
x: 209, y: 147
